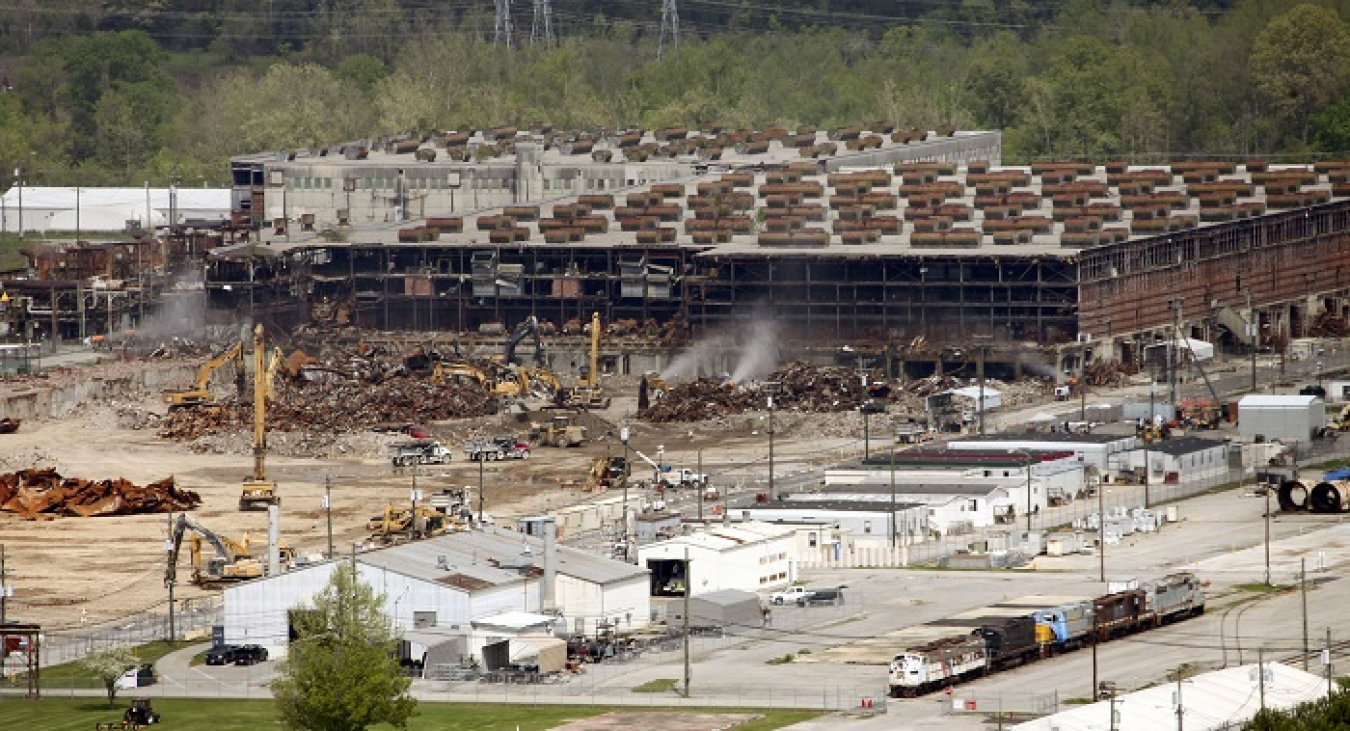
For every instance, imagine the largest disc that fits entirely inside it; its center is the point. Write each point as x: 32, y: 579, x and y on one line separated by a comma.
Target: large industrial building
x: 917, y: 239
x: 917, y: 248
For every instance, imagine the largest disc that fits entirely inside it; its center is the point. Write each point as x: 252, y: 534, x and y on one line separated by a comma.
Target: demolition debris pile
x: 801, y: 387
x: 815, y: 389
x: 36, y: 493
x: 334, y: 403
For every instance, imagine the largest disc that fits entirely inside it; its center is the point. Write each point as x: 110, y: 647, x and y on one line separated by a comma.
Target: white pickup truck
x: 684, y: 476
x: 790, y: 595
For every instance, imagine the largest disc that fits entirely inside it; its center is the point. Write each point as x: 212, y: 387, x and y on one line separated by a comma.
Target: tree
x: 341, y: 673
x: 108, y: 666
x: 1299, y: 62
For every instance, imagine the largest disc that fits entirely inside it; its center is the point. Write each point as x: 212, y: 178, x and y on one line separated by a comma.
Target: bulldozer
x: 589, y: 394
x: 400, y: 525
x: 200, y: 392
x: 560, y: 432
x: 258, y: 491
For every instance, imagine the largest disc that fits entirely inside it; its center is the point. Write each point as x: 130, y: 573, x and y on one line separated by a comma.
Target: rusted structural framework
x: 1292, y: 265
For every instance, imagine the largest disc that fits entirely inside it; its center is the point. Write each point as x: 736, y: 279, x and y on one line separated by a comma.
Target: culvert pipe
x: 1292, y: 496
x: 1330, y: 497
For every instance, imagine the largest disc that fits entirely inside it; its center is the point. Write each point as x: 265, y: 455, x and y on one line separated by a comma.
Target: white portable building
x: 1283, y: 417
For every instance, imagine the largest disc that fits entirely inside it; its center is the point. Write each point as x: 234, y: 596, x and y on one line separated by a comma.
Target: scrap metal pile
x: 339, y: 396
x: 801, y: 387
x: 38, y: 493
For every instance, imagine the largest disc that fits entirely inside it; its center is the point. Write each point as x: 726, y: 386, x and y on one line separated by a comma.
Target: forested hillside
x: 123, y: 91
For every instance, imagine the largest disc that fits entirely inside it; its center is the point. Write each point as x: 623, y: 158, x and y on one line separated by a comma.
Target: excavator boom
x: 200, y: 392
x: 258, y: 491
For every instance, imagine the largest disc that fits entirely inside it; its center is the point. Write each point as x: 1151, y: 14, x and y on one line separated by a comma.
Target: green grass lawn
x: 71, y: 675
x: 70, y: 714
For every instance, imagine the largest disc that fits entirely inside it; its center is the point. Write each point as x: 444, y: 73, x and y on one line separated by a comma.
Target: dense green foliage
x: 1331, y: 713
x: 123, y: 92
x: 341, y: 673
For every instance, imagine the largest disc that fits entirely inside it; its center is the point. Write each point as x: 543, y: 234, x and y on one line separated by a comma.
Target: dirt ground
x: 69, y: 571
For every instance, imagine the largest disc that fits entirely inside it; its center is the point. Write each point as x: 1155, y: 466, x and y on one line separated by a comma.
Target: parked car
x: 221, y: 655
x: 250, y: 655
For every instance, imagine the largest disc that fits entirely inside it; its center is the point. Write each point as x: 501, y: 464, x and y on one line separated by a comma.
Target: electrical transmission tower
x: 503, y: 32
x: 541, y: 30
x: 670, y: 26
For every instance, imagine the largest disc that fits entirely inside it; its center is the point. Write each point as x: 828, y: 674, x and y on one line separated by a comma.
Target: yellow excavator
x: 258, y: 491
x: 444, y: 372
x: 589, y: 395
x: 200, y: 392
x: 233, y: 562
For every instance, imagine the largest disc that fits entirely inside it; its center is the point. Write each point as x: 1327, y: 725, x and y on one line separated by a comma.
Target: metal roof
x: 912, y: 488
x: 1185, y: 445
x: 1057, y: 437
x: 1263, y: 399
x: 480, y: 559
x: 1215, y: 700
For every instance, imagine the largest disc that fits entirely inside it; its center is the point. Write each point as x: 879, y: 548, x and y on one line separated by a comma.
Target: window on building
x: 812, y: 540
x: 867, y: 526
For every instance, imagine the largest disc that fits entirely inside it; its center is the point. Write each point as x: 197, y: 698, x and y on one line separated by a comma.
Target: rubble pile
x: 801, y: 387
x: 177, y: 348
x: 35, y: 493
x: 821, y: 389
x: 336, y: 405
x: 1329, y: 325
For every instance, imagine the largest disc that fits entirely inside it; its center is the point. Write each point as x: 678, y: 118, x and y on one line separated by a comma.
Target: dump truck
x: 422, y: 451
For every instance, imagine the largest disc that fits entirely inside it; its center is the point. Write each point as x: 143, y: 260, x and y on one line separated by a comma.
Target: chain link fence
x: 68, y: 645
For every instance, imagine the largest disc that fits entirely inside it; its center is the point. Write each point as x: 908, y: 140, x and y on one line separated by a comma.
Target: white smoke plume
x: 751, y: 349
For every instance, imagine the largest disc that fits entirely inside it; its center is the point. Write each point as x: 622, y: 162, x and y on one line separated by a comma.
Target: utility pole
x: 772, y: 495
x: 703, y: 484
x: 1303, y: 589
x: 893, y: 526
x: 1254, y: 334
x: 1181, y: 709
x: 480, y: 492
x: 1326, y: 660
x: 4, y: 594
x: 1082, y: 378
x: 981, y: 376
x: 1148, y: 435
x: 670, y: 27
x: 623, y: 436
x: 1267, y: 492
x: 688, y: 589
x: 328, y: 508
x: 1101, y: 534
x: 1261, y: 673
x: 171, y: 558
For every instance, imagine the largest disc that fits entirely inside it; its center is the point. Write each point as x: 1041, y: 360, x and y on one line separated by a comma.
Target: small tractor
x: 139, y: 715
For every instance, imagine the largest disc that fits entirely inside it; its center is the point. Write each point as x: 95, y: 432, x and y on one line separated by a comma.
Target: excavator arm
x: 531, y: 325
x: 443, y: 372
x: 185, y: 523
x: 200, y: 392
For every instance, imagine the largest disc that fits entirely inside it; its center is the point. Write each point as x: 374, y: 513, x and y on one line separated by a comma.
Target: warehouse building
x: 751, y: 556
x: 459, y: 587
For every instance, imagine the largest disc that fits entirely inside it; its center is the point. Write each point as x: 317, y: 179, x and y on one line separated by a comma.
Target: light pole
x: 480, y: 492
x: 1253, y: 334
x: 623, y: 436
x: 893, y: 527
x: 1148, y: 436
x: 328, y: 508
x: 1101, y: 531
x: 772, y: 495
x: 1031, y: 460
x: 923, y: 300
x: 18, y: 180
